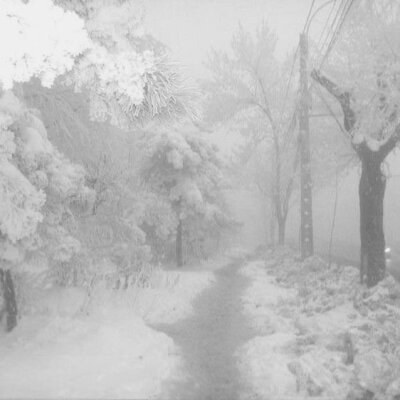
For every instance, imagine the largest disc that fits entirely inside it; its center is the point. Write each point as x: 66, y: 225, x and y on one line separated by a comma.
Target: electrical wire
x: 288, y: 84
x: 309, y: 15
x: 328, y: 22
x: 294, y: 63
x: 337, y: 31
x: 288, y: 133
x: 332, y: 26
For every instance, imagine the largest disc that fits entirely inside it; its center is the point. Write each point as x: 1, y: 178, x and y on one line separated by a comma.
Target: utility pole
x: 306, y: 221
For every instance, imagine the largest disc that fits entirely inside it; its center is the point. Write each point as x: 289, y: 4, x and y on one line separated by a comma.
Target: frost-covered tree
x: 364, y: 80
x: 184, y: 170
x: 36, y: 181
x: 37, y: 186
x: 249, y: 84
x: 127, y: 72
x: 38, y: 39
x: 99, y: 49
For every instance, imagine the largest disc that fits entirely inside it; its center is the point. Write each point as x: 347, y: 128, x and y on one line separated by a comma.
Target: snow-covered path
x: 209, y: 339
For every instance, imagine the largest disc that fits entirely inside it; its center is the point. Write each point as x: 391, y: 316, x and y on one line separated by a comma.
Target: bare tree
x: 253, y: 83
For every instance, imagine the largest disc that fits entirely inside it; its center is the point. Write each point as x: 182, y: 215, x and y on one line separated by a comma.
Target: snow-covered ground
x: 319, y: 333
x: 313, y: 333
x: 68, y: 345
x: 166, y: 299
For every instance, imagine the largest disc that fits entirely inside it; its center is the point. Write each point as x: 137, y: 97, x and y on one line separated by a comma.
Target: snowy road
x: 209, y: 340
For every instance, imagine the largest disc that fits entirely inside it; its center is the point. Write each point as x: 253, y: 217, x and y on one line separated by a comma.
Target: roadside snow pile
x: 320, y: 331
x: 166, y: 298
x: 67, y: 357
x: 174, y: 303
x: 76, y: 343
x: 260, y: 299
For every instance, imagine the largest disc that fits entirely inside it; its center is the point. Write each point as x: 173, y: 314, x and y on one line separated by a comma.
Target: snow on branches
x: 126, y: 72
x: 97, y: 46
x: 38, y: 39
x: 184, y: 167
x: 364, y: 76
x: 21, y: 201
x: 37, y: 184
x: 185, y: 172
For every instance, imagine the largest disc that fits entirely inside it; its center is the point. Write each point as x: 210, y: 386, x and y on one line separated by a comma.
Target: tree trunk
x: 179, y: 244
x: 372, y: 185
x: 272, y: 221
x: 10, y: 301
x: 281, y: 231
x: 372, y: 192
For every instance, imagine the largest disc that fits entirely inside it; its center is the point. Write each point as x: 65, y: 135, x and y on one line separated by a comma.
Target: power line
x: 293, y: 64
x: 289, y: 132
x: 328, y: 107
x: 336, y: 34
x: 337, y: 30
x: 290, y: 79
x: 327, y: 23
x: 309, y: 15
x: 318, y: 9
x: 288, y: 85
x: 333, y: 25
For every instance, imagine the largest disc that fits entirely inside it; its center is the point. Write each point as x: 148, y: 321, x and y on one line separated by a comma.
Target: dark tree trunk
x: 372, y: 184
x: 372, y: 192
x: 179, y: 244
x: 10, y: 301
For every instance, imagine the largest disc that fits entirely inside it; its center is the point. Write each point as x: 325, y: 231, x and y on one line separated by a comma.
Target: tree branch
x: 390, y: 143
x: 341, y: 95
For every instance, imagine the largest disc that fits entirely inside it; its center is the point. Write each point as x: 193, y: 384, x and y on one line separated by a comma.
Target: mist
x: 199, y: 199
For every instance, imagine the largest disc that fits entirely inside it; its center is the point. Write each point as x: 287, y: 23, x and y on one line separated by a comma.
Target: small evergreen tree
x: 184, y: 170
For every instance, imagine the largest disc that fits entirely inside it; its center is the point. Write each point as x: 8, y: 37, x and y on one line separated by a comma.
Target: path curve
x: 209, y: 339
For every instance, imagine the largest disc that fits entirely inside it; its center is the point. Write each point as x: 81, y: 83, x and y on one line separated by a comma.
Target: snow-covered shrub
x: 159, y: 224
x: 38, y: 185
x: 357, y: 327
x: 113, y: 230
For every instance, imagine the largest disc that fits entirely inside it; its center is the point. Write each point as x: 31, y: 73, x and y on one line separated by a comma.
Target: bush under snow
x: 331, y: 337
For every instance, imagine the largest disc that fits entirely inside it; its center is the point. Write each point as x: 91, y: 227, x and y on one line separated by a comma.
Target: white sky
x: 191, y: 27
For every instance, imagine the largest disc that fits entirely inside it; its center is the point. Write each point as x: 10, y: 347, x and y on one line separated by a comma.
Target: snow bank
x: 320, y: 333
x: 175, y: 302
x: 165, y: 300
x: 72, y: 343
x: 118, y: 357
x: 260, y: 298
x: 263, y: 365
x: 262, y: 361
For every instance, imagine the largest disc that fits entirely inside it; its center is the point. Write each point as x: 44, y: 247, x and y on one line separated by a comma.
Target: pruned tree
x: 369, y: 96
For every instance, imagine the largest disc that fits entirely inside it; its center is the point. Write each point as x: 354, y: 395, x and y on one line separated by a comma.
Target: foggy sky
x: 191, y: 27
